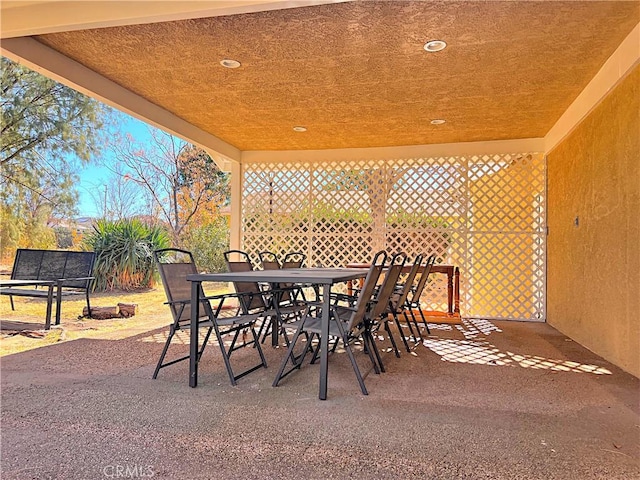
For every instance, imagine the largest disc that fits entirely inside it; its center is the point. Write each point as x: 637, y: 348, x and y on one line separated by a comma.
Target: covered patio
x: 513, y: 153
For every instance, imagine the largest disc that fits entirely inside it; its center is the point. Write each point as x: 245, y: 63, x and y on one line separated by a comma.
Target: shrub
x: 64, y: 237
x: 207, y: 243
x: 124, y: 253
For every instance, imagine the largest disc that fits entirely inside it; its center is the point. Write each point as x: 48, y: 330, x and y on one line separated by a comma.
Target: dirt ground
x: 22, y: 329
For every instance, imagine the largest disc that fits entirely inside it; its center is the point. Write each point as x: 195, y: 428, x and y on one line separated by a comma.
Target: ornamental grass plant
x: 124, y: 254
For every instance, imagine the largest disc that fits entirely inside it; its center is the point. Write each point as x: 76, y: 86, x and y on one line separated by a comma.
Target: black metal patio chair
x: 398, y: 301
x: 174, y: 265
x: 256, y: 300
x: 413, y: 302
x: 346, y: 324
x: 269, y: 260
x: 294, y: 260
x: 378, y: 316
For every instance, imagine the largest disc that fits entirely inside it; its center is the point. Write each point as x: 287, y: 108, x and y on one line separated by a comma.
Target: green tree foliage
x: 64, y: 237
x: 207, y: 243
x: 124, y: 253
x: 46, y: 130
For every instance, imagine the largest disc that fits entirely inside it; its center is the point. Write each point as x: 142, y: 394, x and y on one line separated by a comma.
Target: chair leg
x: 265, y: 323
x: 316, y: 350
x: 408, y: 322
x: 376, y: 351
x: 225, y: 356
x: 356, y: 370
x: 256, y: 343
x: 204, y: 343
x: 58, y: 304
x: 424, y: 320
x: 369, y: 350
x: 164, y: 352
x: 232, y: 347
x: 404, y: 339
x: 391, y: 339
x: 290, y: 355
x: 11, y: 300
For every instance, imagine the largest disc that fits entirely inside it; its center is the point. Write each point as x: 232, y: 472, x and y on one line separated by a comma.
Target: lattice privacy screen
x: 485, y: 214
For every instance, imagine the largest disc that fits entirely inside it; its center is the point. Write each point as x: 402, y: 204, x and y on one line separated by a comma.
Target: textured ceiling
x: 356, y: 74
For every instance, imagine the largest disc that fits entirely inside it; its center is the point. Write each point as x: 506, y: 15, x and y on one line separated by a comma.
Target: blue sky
x: 93, y: 178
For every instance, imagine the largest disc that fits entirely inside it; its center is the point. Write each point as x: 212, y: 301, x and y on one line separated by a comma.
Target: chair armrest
x: 220, y: 296
x: 341, y: 307
x: 177, y: 302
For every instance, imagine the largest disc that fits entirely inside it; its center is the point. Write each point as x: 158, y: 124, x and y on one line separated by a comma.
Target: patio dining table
x: 325, y: 277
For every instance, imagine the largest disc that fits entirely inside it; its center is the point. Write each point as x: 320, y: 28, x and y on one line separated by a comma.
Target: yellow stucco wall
x: 594, y: 267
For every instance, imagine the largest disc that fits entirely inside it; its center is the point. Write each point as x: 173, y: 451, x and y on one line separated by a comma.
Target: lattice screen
x: 485, y: 214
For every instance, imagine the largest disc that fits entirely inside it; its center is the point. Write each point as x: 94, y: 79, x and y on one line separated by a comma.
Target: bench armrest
x: 73, y: 279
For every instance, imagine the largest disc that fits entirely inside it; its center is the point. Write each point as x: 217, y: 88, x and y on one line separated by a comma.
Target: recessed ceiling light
x: 435, y: 45
x: 299, y: 129
x: 228, y: 63
x: 438, y: 121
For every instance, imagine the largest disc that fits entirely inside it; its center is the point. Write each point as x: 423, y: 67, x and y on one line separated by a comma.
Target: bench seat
x: 32, y: 292
x: 70, y: 272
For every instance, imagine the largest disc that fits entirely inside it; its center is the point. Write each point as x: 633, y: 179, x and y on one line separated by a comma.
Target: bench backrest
x: 33, y: 264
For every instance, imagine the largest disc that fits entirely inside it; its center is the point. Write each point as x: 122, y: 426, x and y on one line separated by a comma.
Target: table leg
x: 275, y: 319
x: 47, y: 321
x: 324, y: 341
x: 456, y: 293
x: 193, y: 341
x: 450, y: 292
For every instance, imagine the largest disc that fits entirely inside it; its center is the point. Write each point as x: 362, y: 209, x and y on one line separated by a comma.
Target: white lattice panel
x: 485, y: 214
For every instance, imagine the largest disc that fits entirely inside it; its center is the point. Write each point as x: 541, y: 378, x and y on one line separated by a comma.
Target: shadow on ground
x: 478, y: 400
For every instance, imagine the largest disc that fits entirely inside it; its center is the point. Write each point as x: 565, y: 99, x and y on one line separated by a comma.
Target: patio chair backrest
x: 294, y: 260
x: 174, y: 265
x: 364, y: 297
x: 424, y: 276
x: 269, y: 261
x: 249, y: 293
x: 291, y: 260
x: 400, y: 298
x: 388, y: 284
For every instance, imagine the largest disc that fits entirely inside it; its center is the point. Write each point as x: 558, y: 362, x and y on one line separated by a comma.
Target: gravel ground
x: 485, y: 400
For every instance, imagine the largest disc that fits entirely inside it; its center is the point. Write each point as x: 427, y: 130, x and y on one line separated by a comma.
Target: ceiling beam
x: 48, y: 62
x: 25, y: 18
x: 619, y: 64
x: 524, y: 145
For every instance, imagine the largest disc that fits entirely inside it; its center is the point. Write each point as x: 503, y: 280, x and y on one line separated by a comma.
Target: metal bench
x: 71, y: 273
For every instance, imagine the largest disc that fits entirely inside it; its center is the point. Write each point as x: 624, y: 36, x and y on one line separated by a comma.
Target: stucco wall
x: 594, y: 266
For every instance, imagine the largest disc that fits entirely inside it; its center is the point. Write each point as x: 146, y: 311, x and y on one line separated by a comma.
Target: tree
x: 46, y: 130
x: 116, y: 198
x: 185, y: 185
x: 377, y: 183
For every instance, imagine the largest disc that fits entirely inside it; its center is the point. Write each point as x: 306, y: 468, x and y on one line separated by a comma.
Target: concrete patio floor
x: 486, y: 400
